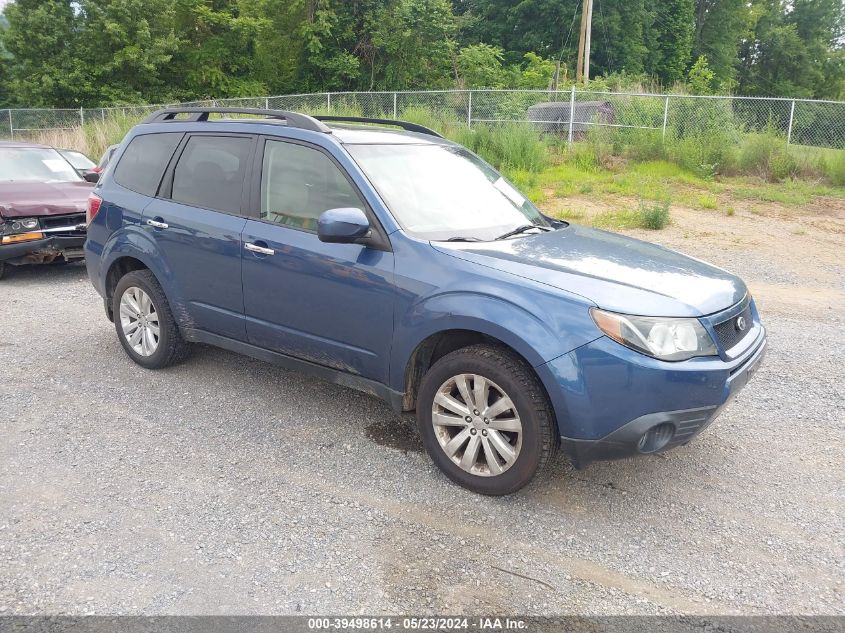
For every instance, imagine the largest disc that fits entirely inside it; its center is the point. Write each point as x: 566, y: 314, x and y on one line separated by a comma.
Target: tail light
x: 94, y: 204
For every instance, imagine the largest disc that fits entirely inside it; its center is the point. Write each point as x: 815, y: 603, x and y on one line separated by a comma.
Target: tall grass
x: 835, y: 169
x: 707, y: 145
x: 91, y: 139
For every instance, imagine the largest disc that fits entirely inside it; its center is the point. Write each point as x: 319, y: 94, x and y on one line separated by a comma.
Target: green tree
x: 619, y: 42
x: 720, y: 28
x: 701, y: 78
x: 414, y: 43
x: 46, y: 69
x: 126, y: 46
x: 537, y: 73
x: 671, y: 39
x: 480, y: 66
x: 796, y: 50
x: 324, y: 33
x: 216, y: 56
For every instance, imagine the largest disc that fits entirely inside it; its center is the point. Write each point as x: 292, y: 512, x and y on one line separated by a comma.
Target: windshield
x: 77, y: 159
x: 441, y: 192
x: 38, y: 164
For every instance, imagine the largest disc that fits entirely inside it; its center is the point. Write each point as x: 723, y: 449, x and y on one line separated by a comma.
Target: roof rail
x: 405, y: 125
x: 293, y: 119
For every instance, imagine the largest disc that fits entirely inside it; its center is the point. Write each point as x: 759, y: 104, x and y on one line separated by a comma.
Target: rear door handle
x: 157, y: 224
x: 255, y: 248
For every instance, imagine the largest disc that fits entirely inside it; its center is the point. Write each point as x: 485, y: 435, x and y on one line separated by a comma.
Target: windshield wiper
x: 462, y: 239
x: 521, y: 229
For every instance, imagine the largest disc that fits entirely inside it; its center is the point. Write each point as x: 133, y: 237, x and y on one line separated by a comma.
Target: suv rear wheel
x: 485, y: 420
x: 144, y: 323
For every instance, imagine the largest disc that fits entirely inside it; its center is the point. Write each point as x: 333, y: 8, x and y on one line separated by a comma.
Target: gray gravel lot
x: 228, y: 486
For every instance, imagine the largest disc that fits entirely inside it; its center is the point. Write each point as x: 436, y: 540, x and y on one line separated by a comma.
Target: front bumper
x: 44, y: 250
x: 609, y: 397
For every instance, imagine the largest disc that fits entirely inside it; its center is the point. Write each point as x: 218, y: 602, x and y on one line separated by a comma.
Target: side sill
x: 365, y: 385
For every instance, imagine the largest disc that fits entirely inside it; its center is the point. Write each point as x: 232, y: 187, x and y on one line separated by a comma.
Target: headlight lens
x: 20, y: 225
x: 663, y: 338
x: 20, y: 230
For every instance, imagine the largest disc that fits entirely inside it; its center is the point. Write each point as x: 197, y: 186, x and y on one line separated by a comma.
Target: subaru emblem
x: 740, y: 323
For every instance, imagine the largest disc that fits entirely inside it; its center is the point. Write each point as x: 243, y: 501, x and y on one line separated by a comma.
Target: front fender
x: 528, y: 333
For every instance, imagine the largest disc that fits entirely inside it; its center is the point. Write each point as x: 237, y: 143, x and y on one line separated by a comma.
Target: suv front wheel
x: 485, y: 420
x: 144, y: 323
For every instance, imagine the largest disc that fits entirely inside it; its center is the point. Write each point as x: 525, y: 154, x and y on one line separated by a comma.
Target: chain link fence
x: 568, y: 113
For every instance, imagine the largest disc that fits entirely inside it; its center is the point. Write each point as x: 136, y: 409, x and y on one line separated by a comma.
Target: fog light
x: 656, y: 438
x: 22, y: 237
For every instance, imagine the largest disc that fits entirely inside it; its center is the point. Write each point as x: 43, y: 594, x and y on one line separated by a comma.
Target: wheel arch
x: 130, y: 250
x: 438, y: 344
x: 116, y: 271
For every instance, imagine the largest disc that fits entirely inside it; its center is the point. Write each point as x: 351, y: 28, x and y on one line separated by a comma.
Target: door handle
x: 255, y: 248
x: 157, y: 224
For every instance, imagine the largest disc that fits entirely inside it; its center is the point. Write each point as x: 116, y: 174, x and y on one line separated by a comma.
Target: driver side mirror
x: 92, y: 176
x: 343, y: 226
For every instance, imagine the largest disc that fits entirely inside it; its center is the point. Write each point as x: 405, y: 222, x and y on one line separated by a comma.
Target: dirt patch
x: 400, y: 434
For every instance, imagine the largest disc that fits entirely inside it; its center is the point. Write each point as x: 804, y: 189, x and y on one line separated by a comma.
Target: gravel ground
x: 228, y: 486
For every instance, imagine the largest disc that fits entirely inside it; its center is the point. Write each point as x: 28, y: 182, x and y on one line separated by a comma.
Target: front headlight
x: 21, y: 225
x: 20, y: 230
x: 663, y: 338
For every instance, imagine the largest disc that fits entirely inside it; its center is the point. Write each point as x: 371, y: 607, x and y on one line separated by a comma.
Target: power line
x: 610, y: 63
x: 571, y: 26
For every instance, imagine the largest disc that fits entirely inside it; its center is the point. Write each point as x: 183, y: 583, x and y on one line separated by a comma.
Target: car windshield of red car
x: 35, y: 164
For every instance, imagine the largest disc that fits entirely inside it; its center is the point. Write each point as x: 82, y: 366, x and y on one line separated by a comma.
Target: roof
x: 346, y: 129
x: 371, y: 135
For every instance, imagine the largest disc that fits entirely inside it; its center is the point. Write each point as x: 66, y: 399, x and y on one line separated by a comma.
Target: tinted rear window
x: 210, y: 172
x: 144, y: 161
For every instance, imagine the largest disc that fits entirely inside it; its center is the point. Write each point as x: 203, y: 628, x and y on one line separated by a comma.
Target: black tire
x: 2, y: 269
x: 171, y: 347
x: 517, y: 379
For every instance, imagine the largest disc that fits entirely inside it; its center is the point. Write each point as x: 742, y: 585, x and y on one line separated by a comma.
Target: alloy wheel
x: 477, y: 425
x: 139, y: 321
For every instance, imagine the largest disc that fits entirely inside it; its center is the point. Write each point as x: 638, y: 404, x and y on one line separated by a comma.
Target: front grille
x: 57, y: 221
x: 729, y: 333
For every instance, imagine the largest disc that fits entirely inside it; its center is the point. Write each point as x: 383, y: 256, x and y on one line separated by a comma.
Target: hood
x: 34, y: 199
x: 615, y: 272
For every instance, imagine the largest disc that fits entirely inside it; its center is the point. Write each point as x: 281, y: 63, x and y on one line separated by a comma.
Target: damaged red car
x: 42, y: 206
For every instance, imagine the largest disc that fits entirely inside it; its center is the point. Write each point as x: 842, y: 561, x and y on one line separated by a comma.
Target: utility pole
x: 583, y: 69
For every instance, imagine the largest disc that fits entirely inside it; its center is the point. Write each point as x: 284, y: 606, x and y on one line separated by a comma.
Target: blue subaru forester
x: 388, y: 259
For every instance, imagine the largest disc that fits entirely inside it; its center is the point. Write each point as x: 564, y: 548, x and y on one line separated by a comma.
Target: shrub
x: 705, y: 154
x: 510, y: 145
x: 642, y: 145
x: 438, y: 120
x: 703, y: 136
x: 767, y: 156
x: 835, y: 168
x: 654, y: 216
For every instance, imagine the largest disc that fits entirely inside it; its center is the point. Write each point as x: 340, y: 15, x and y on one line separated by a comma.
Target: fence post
x: 665, y: 117
x: 791, y: 117
x: 571, y: 112
x: 81, y: 116
x: 329, y: 101
x: 103, y: 114
x: 266, y: 103
x: 469, y: 109
x: 11, y: 127
x: 395, y: 109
